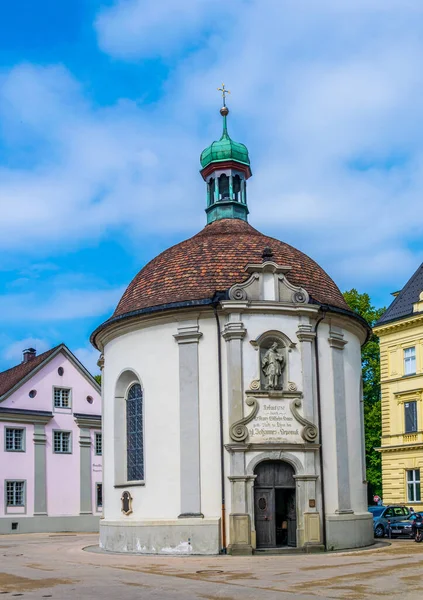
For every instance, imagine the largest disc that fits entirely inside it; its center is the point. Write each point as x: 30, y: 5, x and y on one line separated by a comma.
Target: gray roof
x: 402, y: 306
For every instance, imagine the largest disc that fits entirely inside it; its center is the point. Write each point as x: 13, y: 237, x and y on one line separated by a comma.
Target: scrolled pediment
x: 268, y: 282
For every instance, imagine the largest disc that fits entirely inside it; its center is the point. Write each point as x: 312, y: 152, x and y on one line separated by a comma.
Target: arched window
x: 134, y: 434
x: 212, y: 185
x: 223, y: 187
x: 237, y: 188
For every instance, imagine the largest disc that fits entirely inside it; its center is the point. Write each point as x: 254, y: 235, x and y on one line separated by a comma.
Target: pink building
x: 50, y: 445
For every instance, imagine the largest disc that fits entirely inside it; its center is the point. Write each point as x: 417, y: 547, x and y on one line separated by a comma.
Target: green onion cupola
x: 225, y: 169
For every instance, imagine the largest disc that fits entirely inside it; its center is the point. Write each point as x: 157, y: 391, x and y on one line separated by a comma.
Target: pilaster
x: 86, y: 506
x: 306, y: 336
x: 188, y: 337
x: 40, y: 470
x: 233, y: 333
x: 337, y: 344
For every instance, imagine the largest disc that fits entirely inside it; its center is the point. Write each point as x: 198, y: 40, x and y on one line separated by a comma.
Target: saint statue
x: 272, y: 364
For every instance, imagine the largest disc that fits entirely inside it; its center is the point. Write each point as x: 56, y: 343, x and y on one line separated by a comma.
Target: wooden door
x: 264, y: 508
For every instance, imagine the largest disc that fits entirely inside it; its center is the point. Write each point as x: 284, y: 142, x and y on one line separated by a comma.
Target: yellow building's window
x: 409, y: 361
x: 410, y: 417
x: 413, y: 485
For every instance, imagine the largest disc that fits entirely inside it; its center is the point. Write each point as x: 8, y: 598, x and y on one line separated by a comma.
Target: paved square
x: 56, y: 566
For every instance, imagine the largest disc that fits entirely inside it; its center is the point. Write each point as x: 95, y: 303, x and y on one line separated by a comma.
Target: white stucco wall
x: 149, y: 349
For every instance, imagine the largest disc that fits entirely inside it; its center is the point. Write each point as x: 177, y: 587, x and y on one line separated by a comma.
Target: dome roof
x: 214, y: 260
x: 225, y: 149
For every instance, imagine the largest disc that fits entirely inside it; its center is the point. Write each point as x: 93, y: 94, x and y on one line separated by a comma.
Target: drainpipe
x: 323, y: 310
x: 222, y: 458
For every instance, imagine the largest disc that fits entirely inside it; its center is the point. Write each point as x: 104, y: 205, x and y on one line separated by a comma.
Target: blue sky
x: 105, y: 107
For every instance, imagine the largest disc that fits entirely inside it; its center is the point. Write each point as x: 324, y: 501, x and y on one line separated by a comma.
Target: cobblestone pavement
x: 56, y: 566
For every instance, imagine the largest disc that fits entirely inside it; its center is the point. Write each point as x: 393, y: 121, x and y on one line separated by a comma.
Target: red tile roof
x: 9, y: 378
x: 214, y: 260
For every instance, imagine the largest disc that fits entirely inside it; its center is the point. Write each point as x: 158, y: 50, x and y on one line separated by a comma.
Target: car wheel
x: 379, y: 531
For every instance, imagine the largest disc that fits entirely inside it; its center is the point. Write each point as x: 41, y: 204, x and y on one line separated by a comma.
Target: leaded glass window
x: 134, y: 434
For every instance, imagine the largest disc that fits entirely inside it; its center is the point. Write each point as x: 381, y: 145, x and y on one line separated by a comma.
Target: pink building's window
x: 98, y: 444
x: 62, y: 442
x: 14, y: 439
x: 62, y: 397
x: 15, y: 493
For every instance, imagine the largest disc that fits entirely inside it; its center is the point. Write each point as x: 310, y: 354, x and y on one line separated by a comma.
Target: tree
x: 370, y: 361
x: 98, y: 379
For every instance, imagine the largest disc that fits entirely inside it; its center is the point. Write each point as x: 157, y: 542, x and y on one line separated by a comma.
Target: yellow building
x: 400, y: 331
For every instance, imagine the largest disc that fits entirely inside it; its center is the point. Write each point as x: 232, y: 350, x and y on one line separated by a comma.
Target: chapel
x: 232, y: 393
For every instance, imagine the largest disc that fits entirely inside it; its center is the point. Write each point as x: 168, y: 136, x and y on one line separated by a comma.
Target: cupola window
x: 237, y: 188
x: 212, y: 187
x: 223, y: 187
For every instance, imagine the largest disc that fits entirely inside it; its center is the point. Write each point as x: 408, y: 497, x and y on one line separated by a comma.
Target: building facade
x: 50, y: 445
x: 400, y: 331
x: 232, y: 393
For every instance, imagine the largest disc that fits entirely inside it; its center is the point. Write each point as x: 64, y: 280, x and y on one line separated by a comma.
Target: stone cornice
x: 234, y: 447
x: 305, y: 332
x: 402, y: 378
x: 88, y: 421
x: 406, y: 323
x: 336, y: 340
x: 400, y: 447
x: 234, y: 331
x: 188, y: 334
x: 269, y: 306
x: 25, y: 416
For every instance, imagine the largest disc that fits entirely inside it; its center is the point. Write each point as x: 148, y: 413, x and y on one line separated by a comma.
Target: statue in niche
x: 272, y: 364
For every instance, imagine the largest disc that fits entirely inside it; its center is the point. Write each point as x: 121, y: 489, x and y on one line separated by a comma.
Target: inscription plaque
x: 274, y: 423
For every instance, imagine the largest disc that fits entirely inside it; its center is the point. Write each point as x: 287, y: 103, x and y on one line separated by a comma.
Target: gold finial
x: 224, y: 92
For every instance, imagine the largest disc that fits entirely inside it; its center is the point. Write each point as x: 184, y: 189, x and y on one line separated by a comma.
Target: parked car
x: 395, y: 513
x: 404, y: 527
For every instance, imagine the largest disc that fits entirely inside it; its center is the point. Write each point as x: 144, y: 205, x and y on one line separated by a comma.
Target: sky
x: 106, y: 105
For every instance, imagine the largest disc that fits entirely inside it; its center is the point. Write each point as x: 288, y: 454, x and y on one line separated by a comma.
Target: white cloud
x: 326, y: 95
x: 132, y: 28
x: 62, y: 305
x: 14, y: 351
x: 88, y: 357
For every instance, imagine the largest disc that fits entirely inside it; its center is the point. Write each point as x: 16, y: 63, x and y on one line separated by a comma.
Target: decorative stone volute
x: 268, y: 282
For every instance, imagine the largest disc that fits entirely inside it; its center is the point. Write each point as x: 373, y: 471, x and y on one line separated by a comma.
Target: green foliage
x: 98, y: 379
x: 370, y: 360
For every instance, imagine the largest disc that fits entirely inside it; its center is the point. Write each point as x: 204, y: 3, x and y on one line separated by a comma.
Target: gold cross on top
x: 224, y: 92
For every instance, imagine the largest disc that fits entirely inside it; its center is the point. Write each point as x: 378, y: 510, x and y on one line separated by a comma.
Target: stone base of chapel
x: 179, y: 536
x: 344, y: 531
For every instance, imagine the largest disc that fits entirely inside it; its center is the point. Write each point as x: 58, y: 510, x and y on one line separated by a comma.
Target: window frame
x: 65, y: 408
x: 415, y: 482
x: 408, y: 360
x: 407, y: 404
x: 8, y: 506
x: 62, y: 431
x: 99, y: 508
x: 142, y: 467
x: 98, y: 434
x: 23, y: 429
